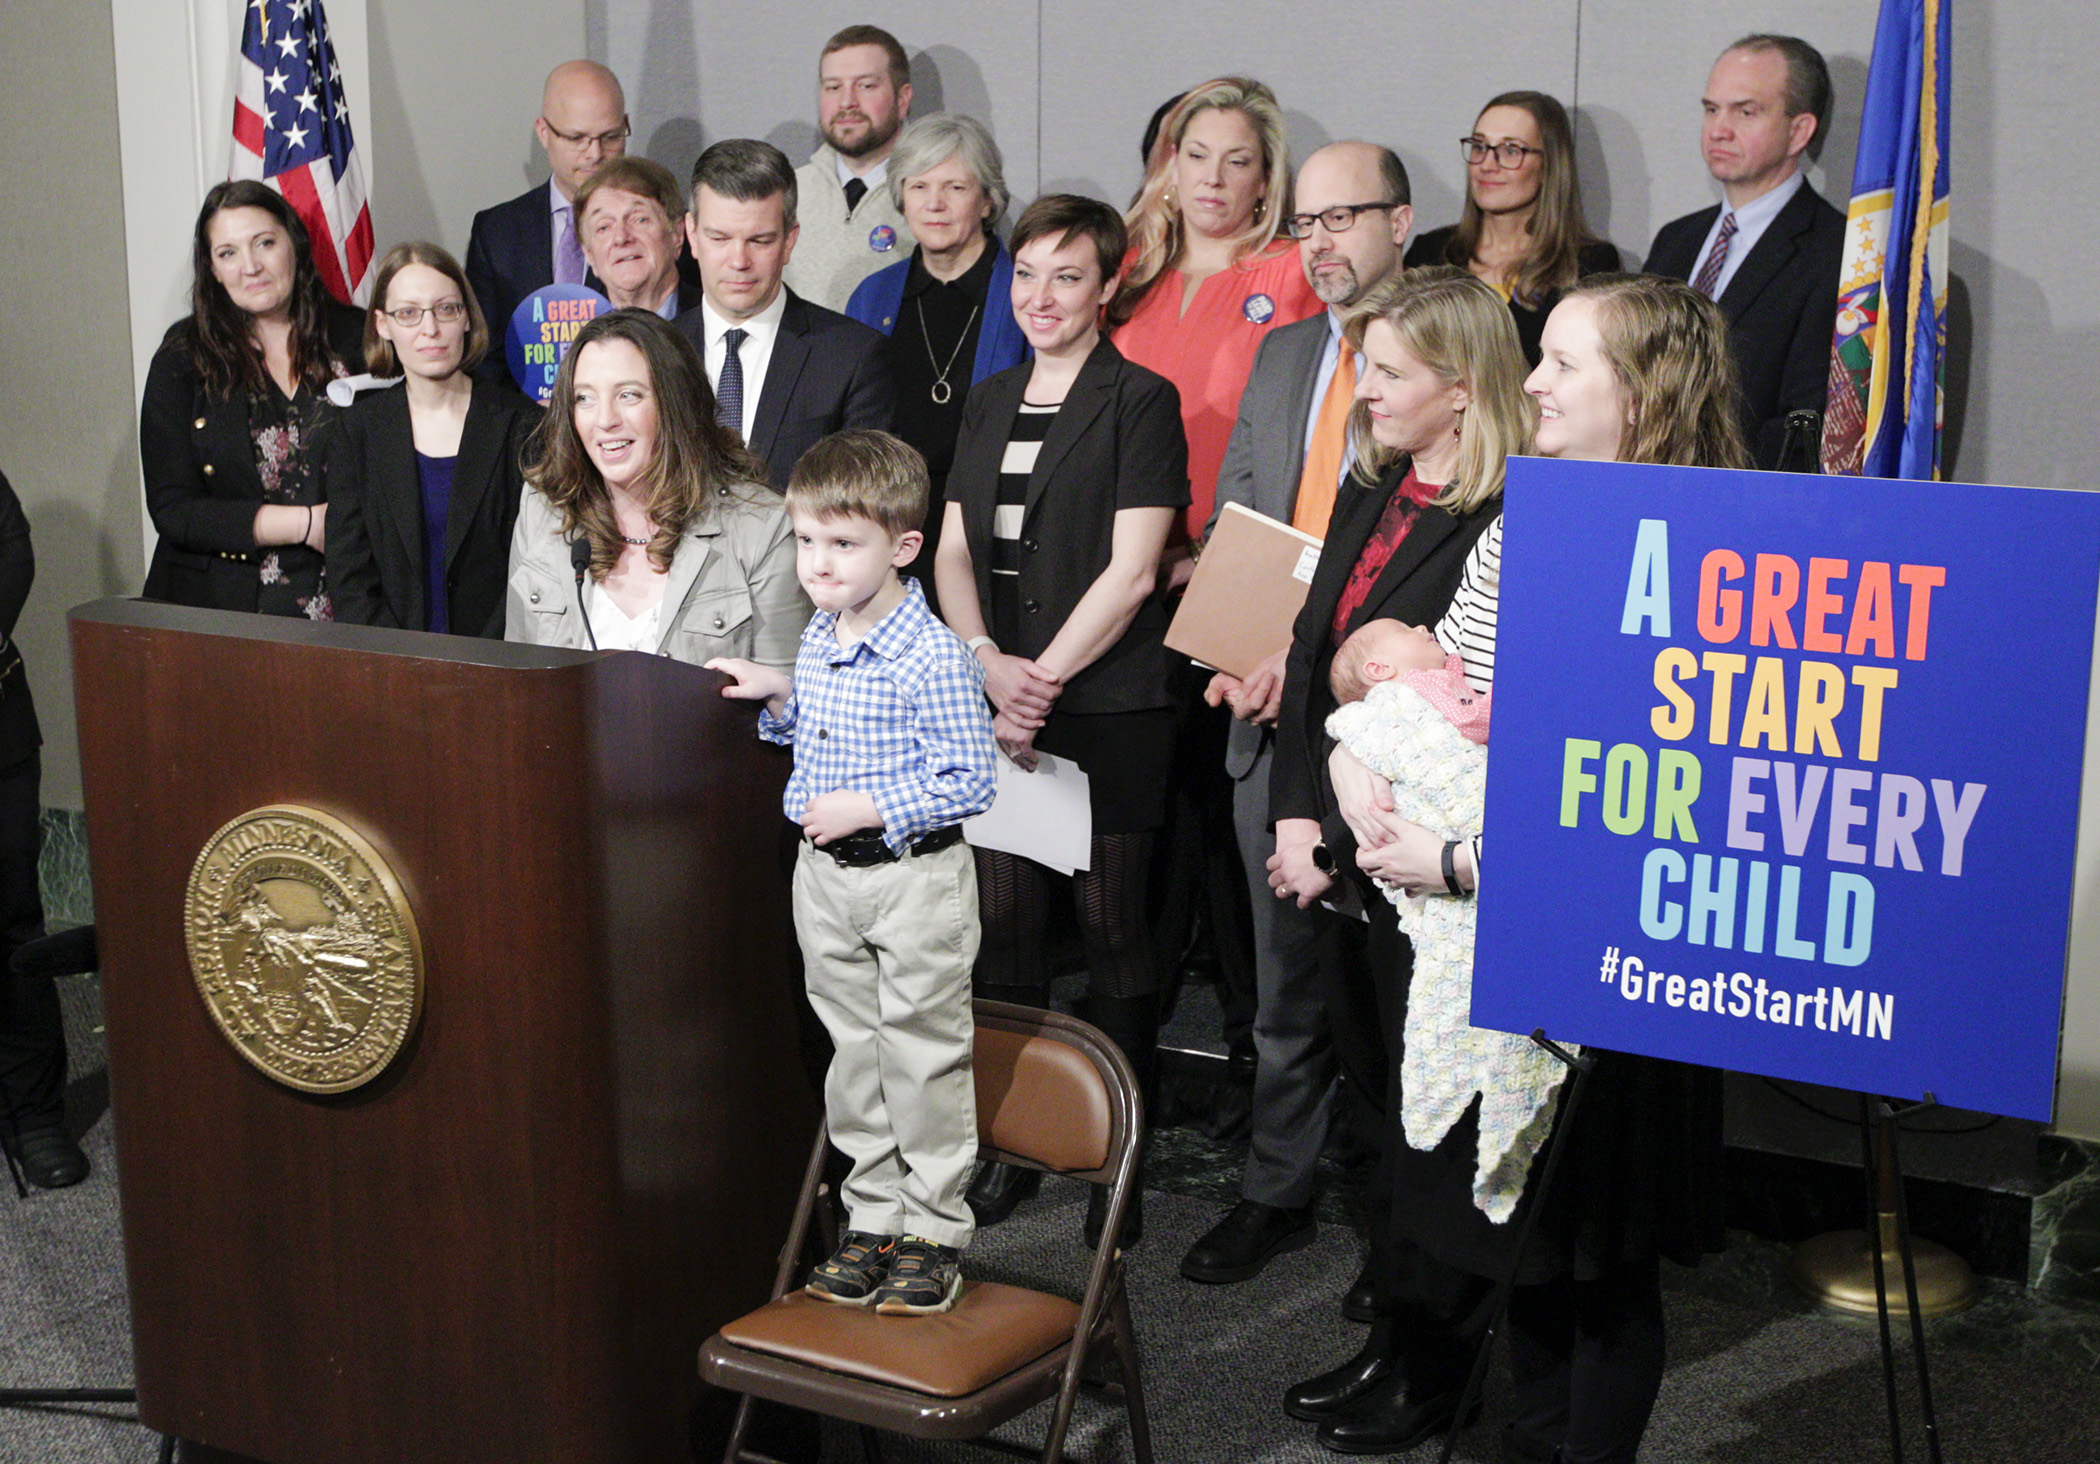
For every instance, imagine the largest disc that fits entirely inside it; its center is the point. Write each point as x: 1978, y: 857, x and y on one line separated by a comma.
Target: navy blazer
x: 1117, y: 442
x: 510, y: 253
x: 202, y: 486
x: 825, y: 375
x: 1415, y: 587
x: 1781, y: 308
x: 377, y: 564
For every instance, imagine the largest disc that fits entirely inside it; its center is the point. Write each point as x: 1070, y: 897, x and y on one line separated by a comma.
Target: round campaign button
x: 540, y: 330
x: 882, y: 238
x: 1258, y: 308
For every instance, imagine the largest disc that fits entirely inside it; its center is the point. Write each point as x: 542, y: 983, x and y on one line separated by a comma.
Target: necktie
x: 568, y: 251
x: 1710, y: 272
x: 1323, y: 453
x: 856, y: 190
x: 729, y: 390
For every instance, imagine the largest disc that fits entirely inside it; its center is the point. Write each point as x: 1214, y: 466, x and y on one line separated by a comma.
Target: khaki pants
x: 886, y: 953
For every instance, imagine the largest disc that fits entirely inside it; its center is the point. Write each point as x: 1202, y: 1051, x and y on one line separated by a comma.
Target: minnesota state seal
x: 303, y: 947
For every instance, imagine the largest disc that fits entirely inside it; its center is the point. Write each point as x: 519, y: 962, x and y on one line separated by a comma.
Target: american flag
x: 291, y: 129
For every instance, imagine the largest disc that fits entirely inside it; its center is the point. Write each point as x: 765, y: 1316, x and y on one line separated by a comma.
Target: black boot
x: 1332, y: 1392
x: 1132, y: 1023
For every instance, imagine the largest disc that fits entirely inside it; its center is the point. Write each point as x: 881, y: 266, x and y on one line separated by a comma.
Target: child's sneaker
x: 924, y: 1278
x: 852, y: 1276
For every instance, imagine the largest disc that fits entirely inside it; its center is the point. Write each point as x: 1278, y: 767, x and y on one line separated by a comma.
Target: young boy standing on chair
x: 893, y: 750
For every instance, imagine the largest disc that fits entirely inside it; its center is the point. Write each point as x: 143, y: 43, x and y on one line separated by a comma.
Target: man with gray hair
x: 785, y: 372
x: 851, y: 225
x: 1769, y: 254
x: 1287, y: 459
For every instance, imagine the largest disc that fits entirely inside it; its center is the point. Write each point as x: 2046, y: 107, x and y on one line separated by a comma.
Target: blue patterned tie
x: 1717, y: 259
x: 729, y: 390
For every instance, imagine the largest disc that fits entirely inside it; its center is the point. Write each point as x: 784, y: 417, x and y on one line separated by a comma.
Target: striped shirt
x: 1024, y: 444
x: 899, y: 715
x: 1468, y: 627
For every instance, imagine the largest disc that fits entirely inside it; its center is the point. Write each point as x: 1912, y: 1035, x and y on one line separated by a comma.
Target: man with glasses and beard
x: 850, y: 227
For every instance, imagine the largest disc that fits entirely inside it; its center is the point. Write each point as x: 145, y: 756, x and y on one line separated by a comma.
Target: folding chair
x: 1052, y: 1093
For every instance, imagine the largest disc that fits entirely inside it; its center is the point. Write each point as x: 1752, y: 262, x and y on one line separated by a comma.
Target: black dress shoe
x: 1097, y: 1216
x: 1331, y: 1393
x: 1360, y: 1301
x: 1388, y: 1421
x: 998, y: 1190
x: 49, y: 1158
x: 1237, y: 1247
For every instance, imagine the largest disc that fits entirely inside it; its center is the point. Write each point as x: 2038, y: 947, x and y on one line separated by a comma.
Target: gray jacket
x: 731, y: 589
x: 837, y: 250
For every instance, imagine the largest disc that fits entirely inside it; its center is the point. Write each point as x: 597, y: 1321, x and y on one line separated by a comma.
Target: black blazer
x: 376, y: 561
x: 510, y: 253
x: 1781, y: 309
x: 1117, y: 442
x: 826, y: 374
x: 1596, y: 257
x: 202, y: 487
x: 19, y: 736
x: 1415, y: 586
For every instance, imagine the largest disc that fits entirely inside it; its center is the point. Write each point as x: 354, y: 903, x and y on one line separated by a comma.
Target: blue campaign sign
x: 1785, y: 773
x: 540, y: 330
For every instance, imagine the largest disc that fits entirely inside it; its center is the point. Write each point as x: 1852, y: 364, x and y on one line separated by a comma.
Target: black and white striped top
x: 1024, y: 443
x: 1468, y: 627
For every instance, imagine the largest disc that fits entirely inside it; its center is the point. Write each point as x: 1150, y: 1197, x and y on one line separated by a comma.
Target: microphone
x: 580, y: 561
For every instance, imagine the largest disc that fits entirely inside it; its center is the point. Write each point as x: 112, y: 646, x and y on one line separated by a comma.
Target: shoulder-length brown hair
x: 1154, y: 219
x: 697, y: 462
x: 1557, y: 228
x: 220, y: 335
x: 1668, y: 346
x: 1459, y: 328
x: 380, y: 357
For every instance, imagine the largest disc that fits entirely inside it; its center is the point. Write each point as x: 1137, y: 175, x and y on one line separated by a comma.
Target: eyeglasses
x: 1508, y: 154
x: 408, y: 317
x: 606, y: 140
x: 1337, y: 220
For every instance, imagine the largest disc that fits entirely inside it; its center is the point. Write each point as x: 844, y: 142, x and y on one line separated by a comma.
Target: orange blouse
x: 1208, y: 352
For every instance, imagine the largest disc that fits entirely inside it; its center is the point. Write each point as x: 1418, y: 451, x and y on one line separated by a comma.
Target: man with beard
x: 850, y: 228
x: 1288, y: 458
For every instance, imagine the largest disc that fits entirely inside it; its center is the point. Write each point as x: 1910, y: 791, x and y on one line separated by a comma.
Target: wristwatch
x: 1323, y: 858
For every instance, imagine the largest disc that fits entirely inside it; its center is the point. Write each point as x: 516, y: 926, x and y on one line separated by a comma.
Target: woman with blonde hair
x: 1210, y: 270
x: 1522, y: 228
x: 646, y: 526
x: 1635, y: 369
x: 426, y: 479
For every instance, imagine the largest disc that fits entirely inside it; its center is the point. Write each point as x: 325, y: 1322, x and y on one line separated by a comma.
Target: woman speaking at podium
x: 1634, y: 369
x: 645, y: 526
x: 236, y: 415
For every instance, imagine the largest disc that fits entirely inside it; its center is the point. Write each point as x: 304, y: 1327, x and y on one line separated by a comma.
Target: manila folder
x: 1246, y: 593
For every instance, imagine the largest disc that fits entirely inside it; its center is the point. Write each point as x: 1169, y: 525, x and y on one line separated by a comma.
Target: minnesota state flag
x: 1883, y: 419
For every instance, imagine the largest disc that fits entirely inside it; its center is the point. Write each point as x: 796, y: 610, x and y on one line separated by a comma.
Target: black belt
x: 864, y: 847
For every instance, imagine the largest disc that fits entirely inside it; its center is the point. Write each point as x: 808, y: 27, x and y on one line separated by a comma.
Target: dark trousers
x: 32, y: 1038
x: 1586, y: 1361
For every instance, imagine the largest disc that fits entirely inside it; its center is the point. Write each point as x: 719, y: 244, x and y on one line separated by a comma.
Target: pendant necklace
x: 942, y: 391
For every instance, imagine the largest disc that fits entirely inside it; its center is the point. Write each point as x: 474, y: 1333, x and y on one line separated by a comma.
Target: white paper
x: 1043, y: 815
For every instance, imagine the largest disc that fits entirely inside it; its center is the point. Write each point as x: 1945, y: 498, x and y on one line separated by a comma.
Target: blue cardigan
x: 1000, y: 343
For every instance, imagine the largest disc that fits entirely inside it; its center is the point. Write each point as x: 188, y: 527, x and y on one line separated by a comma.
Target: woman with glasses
x: 1522, y: 228
x: 236, y: 413
x: 1209, y: 274
x: 425, y: 481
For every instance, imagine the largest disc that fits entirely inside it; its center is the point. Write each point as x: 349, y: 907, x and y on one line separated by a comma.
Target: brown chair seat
x: 993, y: 1331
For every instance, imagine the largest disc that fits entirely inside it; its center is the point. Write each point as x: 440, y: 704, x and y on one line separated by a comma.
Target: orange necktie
x: 1323, y: 453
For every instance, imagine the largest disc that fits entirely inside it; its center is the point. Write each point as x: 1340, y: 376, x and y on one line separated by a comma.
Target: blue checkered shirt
x: 899, y: 715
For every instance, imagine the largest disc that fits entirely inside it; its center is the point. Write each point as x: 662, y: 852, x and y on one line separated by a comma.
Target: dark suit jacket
x: 510, y: 253
x: 1781, y: 309
x: 19, y: 736
x: 377, y: 565
x: 1415, y: 586
x: 202, y: 486
x: 1596, y: 257
x: 825, y: 375
x: 1116, y: 443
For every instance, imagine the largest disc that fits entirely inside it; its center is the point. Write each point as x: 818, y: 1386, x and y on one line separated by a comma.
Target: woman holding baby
x: 1634, y: 369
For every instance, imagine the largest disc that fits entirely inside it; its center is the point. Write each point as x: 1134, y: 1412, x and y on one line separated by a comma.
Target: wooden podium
x: 510, y: 1244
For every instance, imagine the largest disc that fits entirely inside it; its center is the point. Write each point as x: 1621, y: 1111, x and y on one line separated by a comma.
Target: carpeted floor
x: 1755, y: 1376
